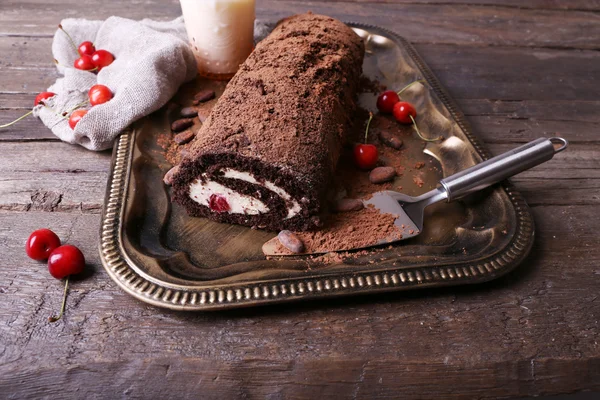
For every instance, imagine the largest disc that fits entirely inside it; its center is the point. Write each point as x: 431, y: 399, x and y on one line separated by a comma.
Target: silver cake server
x: 410, y: 210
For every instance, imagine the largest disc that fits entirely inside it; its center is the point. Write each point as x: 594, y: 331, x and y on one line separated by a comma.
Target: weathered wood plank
x: 514, y: 74
x: 323, y: 379
x: 534, y: 316
x: 52, y: 191
x: 27, y: 80
x: 590, y: 5
x: 454, y: 23
x: 52, y: 177
x: 53, y: 158
x: 523, y: 120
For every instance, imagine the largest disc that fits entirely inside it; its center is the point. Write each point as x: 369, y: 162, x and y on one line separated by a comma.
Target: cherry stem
x: 409, y: 85
x: 419, y: 132
x: 62, y: 307
x: 368, y: 124
x: 16, y: 120
x: 70, y: 39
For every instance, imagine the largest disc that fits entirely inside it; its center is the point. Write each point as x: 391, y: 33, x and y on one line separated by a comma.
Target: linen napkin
x: 152, y: 59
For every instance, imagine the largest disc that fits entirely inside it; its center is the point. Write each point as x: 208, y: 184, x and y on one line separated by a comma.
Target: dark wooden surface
x: 519, y: 70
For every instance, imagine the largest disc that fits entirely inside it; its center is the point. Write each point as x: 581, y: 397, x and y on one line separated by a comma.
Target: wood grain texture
x: 524, y: 332
x: 519, y: 70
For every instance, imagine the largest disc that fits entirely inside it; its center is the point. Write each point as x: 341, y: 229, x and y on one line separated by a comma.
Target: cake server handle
x: 501, y: 167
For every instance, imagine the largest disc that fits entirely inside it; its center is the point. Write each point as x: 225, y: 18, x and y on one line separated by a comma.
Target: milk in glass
x: 221, y: 34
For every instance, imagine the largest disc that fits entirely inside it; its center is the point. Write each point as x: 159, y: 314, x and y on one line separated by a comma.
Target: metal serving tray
x: 158, y: 254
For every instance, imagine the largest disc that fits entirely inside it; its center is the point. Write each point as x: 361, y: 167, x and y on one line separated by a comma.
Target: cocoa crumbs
x: 418, y: 181
x: 364, y: 228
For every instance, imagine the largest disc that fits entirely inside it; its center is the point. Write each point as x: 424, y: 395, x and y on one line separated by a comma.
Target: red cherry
x: 99, y: 94
x: 102, y: 58
x: 66, y: 260
x: 387, y: 100
x: 365, y: 155
x: 84, y: 63
x: 403, y: 111
x: 76, y: 117
x: 41, y: 243
x: 86, y: 48
x: 43, y: 96
x: 218, y: 203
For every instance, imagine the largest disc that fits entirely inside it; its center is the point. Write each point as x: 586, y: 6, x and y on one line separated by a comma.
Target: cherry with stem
x: 39, y: 99
x: 63, y: 262
x: 366, y: 155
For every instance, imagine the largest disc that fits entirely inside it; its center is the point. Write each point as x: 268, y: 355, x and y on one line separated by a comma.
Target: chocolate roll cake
x: 266, y: 154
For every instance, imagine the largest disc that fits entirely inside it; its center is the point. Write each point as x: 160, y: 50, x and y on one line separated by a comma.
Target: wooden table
x: 518, y: 72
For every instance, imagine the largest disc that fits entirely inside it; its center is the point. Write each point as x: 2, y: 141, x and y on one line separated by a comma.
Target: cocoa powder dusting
x: 346, y: 231
x: 418, y: 180
x: 164, y: 140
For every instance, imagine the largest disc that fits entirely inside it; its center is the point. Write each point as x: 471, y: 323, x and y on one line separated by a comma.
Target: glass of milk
x: 221, y: 34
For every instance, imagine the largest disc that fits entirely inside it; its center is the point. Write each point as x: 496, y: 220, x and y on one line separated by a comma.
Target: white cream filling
x: 200, y: 192
x: 245, y: 176
x: 238, y: 203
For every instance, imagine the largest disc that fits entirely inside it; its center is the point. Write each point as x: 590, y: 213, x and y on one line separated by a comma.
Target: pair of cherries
x: 63, y: 260
x: 98, y: 94
x: 90, y: 59
x: 389, y: 102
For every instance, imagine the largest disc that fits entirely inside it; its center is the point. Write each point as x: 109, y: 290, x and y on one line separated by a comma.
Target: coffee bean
x: 204, y: 95
x: 168, y: 178
x: 346, y: 205
x: 390, y: 140
x: 182, y: 124
x: 290, y: 241
x: 189, y: 112
x: 382, y: 174
x: 184, y: 137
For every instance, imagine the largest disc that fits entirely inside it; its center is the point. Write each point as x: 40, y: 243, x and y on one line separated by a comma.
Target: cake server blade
x: 409, y: 211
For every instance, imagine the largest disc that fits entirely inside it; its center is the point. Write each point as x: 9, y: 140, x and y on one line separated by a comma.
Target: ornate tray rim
x: 119, y: 265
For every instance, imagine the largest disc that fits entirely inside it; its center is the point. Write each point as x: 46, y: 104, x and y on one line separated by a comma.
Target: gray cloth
x: 152, y: 59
